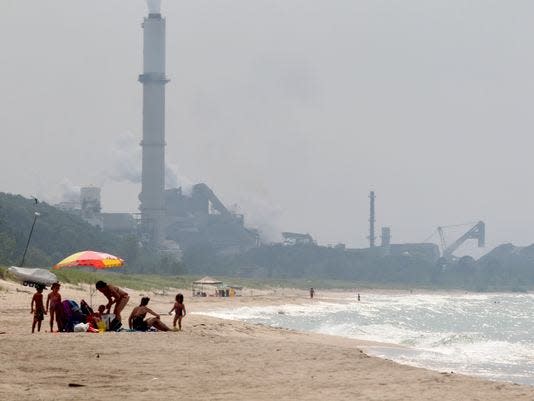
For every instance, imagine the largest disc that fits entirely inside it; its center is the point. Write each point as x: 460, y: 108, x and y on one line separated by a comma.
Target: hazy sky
x: 293, y: 109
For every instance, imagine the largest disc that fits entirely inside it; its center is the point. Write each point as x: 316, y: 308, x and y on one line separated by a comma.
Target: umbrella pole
x: 91, y: 293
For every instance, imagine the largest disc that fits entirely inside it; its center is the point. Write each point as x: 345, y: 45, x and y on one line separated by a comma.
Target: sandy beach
x: 210, y: 359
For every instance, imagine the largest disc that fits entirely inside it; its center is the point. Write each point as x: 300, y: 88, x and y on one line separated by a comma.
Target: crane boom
x: 477, y: 232
x: 442, y: 238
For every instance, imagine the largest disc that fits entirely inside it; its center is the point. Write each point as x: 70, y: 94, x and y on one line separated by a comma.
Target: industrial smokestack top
x: 154, y: 6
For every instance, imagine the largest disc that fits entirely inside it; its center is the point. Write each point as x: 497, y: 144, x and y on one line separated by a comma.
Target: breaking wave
x: 477, y: 334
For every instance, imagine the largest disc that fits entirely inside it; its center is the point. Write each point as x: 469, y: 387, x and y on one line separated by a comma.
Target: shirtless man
x: 137, y: 318
x: 115, y: 296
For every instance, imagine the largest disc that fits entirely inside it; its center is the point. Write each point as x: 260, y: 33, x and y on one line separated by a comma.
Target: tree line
x: 58, y: 234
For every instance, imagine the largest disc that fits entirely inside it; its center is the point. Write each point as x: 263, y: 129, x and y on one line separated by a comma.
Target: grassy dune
x: 151, y: 282
x: 134, y: 281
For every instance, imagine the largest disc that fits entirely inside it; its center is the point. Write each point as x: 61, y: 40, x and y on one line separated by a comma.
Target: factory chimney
x: 153, y: 79
x: 372, y: 220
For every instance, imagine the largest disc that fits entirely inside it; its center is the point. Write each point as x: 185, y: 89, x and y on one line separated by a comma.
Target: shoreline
x: 211, y: 359
x: 407, y: 355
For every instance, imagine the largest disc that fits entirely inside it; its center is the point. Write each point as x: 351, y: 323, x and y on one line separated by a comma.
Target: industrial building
x: 201, y: 218
x: 294, y: 239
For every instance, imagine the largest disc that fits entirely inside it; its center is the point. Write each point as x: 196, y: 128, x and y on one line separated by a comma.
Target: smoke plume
x: 63, y: 191
x: 173, y: 179
x: 126, y: 156
x: 126, y: 167
x: 260, y: 213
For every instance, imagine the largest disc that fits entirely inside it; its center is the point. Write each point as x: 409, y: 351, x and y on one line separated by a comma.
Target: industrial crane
x: 478, y: 232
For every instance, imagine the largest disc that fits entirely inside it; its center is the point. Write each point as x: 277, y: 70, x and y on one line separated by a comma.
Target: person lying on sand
x: 115, y: 296
x: 137, y: 318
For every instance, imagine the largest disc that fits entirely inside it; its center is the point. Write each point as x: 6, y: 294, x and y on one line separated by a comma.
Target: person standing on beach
x: 179, y: 311
x: 115, y: 296
x: 54, y: 305
x: 37, y: 308
x: 312, y: 292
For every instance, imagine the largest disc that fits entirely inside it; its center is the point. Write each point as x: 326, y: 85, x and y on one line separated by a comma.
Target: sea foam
x: 489, y: 335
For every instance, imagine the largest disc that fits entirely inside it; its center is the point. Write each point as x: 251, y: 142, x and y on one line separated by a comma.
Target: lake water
x: 491, y: 336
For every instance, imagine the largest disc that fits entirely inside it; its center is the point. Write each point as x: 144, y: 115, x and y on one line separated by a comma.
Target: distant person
x: 115, y: 296
x: 179, y: 311
x: 37, y: 308
x: 312, y: 292
x: 358, y: 297
x: 55, y: 307
x: 137, y: 321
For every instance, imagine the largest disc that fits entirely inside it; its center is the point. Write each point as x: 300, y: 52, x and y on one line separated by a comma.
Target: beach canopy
x: 208, y: 281
x: 33, y: 276
x: 98, y: 260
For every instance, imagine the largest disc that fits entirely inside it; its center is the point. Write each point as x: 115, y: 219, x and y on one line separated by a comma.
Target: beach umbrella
x: 98, y: 260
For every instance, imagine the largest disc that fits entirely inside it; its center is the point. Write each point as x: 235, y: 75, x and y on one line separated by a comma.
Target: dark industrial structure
x: 201, y: 219
x: 292, y: 239
x: 372, y: 220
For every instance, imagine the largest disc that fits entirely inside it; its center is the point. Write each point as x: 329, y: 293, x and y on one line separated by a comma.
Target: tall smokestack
x: 372, y: 220
x: 152, y: 195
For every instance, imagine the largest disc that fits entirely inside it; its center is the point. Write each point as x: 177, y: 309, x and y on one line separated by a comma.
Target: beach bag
x: 115, y: 325
x: 81, y: 327
x: 107, y: 318
x: 86, y: 309
x: 72, y: 314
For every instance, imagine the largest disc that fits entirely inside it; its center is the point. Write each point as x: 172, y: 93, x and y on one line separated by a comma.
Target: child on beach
x: 53, y: 304
x: 179, y: 311
x: 96, y: 317
x: 37, y: 308
x: 101, y: 310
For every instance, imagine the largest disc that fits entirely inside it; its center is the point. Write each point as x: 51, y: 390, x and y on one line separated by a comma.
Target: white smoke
x: 69, y: 192
x: 262, y: 214
x: 154, y: 6
x: 173, y: 179
x: 64, y: 191
x: 126, y: 156
x: 126, y: 159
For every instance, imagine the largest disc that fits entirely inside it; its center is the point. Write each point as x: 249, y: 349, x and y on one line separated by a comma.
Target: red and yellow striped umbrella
x: 98, y: 260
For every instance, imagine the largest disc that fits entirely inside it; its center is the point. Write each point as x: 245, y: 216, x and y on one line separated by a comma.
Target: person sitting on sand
x: 115, y: 296
x: 96, y: 317
x: 137, y: 318
x: 38, y: 310
x: 179, y: 311
x: 100, y: 313
x: 54, y: 305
